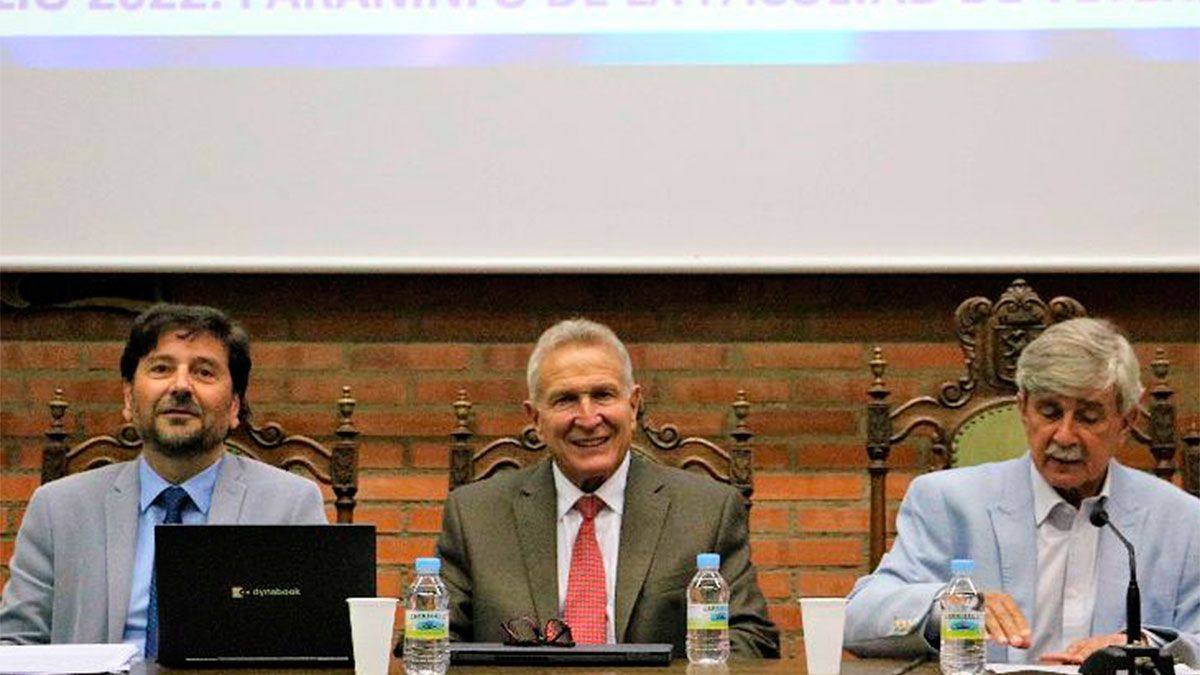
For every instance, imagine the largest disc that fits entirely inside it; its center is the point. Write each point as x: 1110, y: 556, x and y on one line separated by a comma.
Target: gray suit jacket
x: 986, y: 513
x: 72, y: 567
x: 499, y: 542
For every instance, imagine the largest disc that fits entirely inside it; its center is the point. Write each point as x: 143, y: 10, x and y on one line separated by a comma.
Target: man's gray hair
x: 575, y: 331
x: 1080, y: 355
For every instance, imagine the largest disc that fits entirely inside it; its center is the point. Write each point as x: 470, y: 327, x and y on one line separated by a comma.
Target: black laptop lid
x: 260, y: 594
x: 624, y: 654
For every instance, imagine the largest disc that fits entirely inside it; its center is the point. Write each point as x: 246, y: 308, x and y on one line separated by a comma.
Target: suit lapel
x: 646, y: 505
x: 228, y: 493
x: 1112, y: 560
x: 534, y: 508
x: 1016, y: 541
x: 121, y: 523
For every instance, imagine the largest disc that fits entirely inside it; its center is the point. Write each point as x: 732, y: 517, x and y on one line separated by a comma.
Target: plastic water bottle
x: 708, y: 612
x: 964, y: 632
x: 427, y: 621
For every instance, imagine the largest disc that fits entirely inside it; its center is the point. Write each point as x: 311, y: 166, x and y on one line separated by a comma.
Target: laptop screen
x: 260, y: 594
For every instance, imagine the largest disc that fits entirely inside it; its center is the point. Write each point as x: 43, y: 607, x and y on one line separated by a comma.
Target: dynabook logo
x: 241, y: 592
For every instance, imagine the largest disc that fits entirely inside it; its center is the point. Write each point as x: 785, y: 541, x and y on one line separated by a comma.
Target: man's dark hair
x: 159, y: 319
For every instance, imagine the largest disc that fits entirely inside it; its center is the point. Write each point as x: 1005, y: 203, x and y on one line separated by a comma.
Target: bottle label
x: 712, y: 616
x: 426, y: 625
x: 967, y: 625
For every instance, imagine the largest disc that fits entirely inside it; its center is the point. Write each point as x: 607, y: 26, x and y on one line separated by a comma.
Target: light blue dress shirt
x: 200, y: 489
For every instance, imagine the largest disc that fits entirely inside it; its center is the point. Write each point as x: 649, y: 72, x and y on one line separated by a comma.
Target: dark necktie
x: 173, y: 500
x: 586, y: 595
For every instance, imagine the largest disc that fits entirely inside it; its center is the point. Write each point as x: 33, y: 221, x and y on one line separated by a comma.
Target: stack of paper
x: 61, y: 659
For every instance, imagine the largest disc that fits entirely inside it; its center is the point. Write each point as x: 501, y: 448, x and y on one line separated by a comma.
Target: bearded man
x: 82, y: 569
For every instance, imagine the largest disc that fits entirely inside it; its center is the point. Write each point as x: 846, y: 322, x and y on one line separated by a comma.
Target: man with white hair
x: 594, y: 534
x: 1053, y: 583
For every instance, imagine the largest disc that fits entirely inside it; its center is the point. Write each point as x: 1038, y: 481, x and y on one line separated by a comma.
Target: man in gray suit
x: 1053, y: 583
x: 526, y: 543
x: 82, y: 567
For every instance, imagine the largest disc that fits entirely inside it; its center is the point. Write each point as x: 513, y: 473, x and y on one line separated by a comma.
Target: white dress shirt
x: 1066, y: 562
x: 608, y: 535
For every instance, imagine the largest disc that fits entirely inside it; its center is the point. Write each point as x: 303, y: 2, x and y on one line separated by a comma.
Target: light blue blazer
x: 986, y: 513
x: 72, y: 567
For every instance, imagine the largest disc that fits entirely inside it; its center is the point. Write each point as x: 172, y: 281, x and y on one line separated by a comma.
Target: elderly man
x: 1053, y: 583
x: 82, y: 568
x: 594, y: 534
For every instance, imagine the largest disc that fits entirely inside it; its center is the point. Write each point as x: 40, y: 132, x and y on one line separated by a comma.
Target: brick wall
x: 797, y: 343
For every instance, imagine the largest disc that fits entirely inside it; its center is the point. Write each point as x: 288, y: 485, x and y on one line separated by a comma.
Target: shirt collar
x: 612, y: 492
x: 1045, y: 498
x: 199, y: 487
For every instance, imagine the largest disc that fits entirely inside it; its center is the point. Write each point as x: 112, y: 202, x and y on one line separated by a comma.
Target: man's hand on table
x: 1005, y: 622
x: 1080, y: 650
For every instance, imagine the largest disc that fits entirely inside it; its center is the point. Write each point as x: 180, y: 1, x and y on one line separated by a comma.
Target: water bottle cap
x: 962, y: 566
x: 708, y: 561
x: 428, y: 565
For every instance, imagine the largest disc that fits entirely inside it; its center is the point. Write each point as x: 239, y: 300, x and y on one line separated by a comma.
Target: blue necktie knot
x: 173, y: 500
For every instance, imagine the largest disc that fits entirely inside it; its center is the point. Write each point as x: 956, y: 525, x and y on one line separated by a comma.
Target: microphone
x: 1133, y: 596
x: 1134, y: 657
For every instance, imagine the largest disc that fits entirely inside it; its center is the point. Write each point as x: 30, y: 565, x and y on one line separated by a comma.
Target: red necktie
x: 586, y: 597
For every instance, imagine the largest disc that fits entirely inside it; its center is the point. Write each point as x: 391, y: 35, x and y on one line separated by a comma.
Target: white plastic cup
x: 372, y: 621
x: 824, y: 624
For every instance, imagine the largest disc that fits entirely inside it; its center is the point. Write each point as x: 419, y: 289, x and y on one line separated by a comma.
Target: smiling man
x: 1054, y: 584
x: 594, y: 534
x: 82, y: 568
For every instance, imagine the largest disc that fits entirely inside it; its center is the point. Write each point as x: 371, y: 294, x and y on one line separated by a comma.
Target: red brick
x: 425, y: 520
x: 792, y: 552
x: 769, y: 519
x: 775, y: 585
x: 823, y: 456
x: 266, y: 389
x: 431, y: 455
x: 794, y: 422
x: 457, y: 323
x: 23, y: 453
x: 831, y: 520
x: 376, y: 453
x: 387, y: 584
x: 12, y: 389
x: 814, y: 583
x: 18, y: 487
x: 679, y: 356
x: 909, y: 355
x: 296, y: 356
x: 409, y: 423
x: 496, y: 424
x: 507, y: 358
x: 103, y: 356
x: 6, y: 550
x: 806, y: 356
x: 724, y: 390
x: 362, y: 326
x: 39, y: 355
x: 771, y: 456
x: 22, y: 423
x: 328, y: 389
x: 693, y: 423
x: 897, y: 484
x: 774, y: 487
x: 403, y: 550
x: 405, y: 488
x: 1183, y: 358
x: 399, y: 357
x: 507, y: 391
x: 104, y: 390
x: 786, y: 616
x: 385, y: 519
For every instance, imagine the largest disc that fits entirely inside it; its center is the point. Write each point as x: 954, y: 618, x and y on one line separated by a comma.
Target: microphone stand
x: 1135, y: 656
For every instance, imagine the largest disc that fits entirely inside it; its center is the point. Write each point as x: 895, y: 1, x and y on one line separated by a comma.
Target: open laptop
x: 496, y: 654
x: 260, y: 595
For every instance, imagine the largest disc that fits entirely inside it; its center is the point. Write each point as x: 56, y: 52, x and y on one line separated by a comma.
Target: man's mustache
x: 178, y: 403
x: 1064, y: 453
